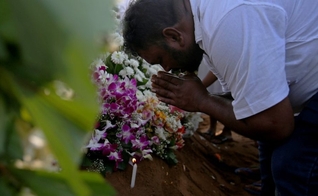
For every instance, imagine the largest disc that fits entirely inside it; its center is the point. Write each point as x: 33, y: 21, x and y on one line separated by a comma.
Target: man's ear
x: 173, y: 36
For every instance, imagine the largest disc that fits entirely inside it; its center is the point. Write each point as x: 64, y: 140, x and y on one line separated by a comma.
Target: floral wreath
x: 133, y: 123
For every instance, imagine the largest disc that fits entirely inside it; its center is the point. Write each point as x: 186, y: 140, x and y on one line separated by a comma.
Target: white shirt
x: 216, y: 87
x: 262, y: 50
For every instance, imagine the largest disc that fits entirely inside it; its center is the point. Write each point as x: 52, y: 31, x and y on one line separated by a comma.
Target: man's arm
x: 188, y: 93
x: 209, y: 79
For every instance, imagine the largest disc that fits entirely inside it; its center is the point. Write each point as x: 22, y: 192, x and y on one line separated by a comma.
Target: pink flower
x: 115, y: 156
x: 108, y: 148
x: 94, y: 145
x: 127, y: 134
x: 174, y: 108
x: 140, y: 143
x: 155, y: 140
x: 99, y: 71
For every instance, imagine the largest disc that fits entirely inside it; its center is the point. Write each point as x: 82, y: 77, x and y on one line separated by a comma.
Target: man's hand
x: 184, y: 91
x: 188, y: 93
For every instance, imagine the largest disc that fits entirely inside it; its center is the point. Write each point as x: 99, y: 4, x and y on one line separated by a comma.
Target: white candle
x: 134, y: 172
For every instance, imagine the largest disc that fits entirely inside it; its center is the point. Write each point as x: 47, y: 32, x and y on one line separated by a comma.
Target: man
x: 264, y: 51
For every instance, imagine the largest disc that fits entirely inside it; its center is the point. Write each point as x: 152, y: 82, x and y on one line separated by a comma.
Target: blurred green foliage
x: 42, y: 42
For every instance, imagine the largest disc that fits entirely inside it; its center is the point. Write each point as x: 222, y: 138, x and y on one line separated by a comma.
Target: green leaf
x: 10, y: 142
x: 171, y: 159
x: 47, y: 41
x: 5, y: 188
x: 97, y: 184
x: 110, y: 65
x: 14, y: 148
x: 3, y: 123
x: 52, y: 184
x: 66, y: 144
x: 8, y: 31
x: 43, y: 183
x: 3, y: 51
x: 69, y: 139
x: 81, y: 113
x: 118, y: 68
x: 53, y: 40
x: 144, y: 81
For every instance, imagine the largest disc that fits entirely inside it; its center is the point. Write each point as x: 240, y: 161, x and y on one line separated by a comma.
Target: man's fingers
x: 170, y: 88
x: 165, y: 82
x: 169, y: 78
x: 162, y: 92
x: 177, y: 79
x: 166, y: 100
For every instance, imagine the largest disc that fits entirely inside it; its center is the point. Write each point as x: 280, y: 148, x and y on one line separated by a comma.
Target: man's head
x: 162, y: 32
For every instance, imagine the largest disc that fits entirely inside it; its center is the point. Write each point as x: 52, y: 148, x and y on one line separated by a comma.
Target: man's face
x: 172, y: 59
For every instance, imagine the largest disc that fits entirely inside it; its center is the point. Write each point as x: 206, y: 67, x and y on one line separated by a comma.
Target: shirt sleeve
x: 248, y: 51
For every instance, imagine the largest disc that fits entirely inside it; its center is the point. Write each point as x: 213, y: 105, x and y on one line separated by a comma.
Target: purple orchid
x: 127, y: 134
x: 140, y: 143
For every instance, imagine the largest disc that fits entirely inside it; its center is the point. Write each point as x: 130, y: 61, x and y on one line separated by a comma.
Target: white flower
x: 173, y: 123
x: 146, y: 154
x: 93, y: 144
x: 152, y: 71
x: 138, y: 78
x: 99, y: 134
x: 148, y: 84
x: 140, y: 73
x: 145, y: 64
x: 161, y: 133
x: 103, y: 76
x: 163, y: 107
x: 127, y: 71
x: 140, y: 96
x: 118, y: 57
x: 194, y: 118
x: 157, y: 67
x: 109, y: 125
x: 148, y: 93
x: 132, y: 62
x: 123, y: 73
x: 114, y: 156
x: 134, y: 125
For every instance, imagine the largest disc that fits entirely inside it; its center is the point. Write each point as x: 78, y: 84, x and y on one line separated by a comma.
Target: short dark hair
x: 144, y: 22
